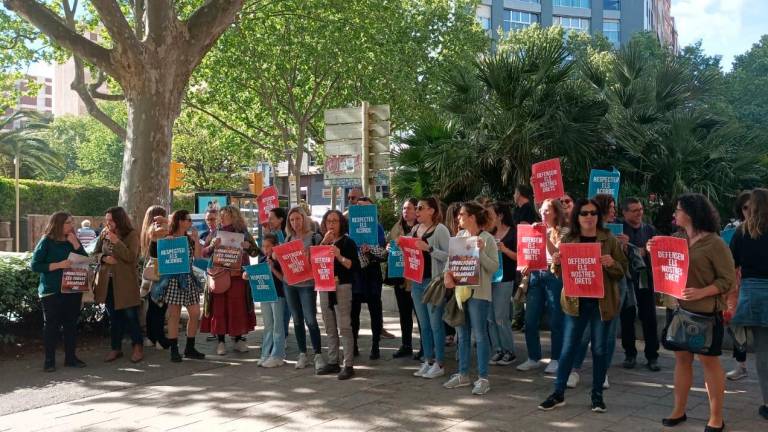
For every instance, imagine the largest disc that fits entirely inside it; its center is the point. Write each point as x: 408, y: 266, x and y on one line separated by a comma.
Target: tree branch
x: 226, y: 125
x: 208, y: 23
x: 114, y: 21
x: 160, y: 16
x: 93, y: 89
x: 56, y: 29
x: 79, y: 86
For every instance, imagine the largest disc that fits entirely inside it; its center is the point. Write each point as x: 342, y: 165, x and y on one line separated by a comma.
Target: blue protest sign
x: 202, y: 263
x: 499, y: 275
x: 364, y: 225
x: 616, y: 229
x: 173, y: 256
x: 280, y: 236
x: 395, y: 263
x: 261, y: 282
x: 727, y: 235
x: 604, y: 182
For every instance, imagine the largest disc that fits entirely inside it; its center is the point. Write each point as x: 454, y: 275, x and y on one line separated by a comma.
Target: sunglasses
x: 586, y: 213
x: 566, y: 201
x: 421, y: 208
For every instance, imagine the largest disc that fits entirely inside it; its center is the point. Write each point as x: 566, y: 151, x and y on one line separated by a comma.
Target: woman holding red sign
x: 60, y: 311
x: 580, y: 312
x: 232, y: 312
x: 336, y: 306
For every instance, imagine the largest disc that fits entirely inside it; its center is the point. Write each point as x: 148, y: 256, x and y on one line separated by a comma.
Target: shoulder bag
x: 689, y: 331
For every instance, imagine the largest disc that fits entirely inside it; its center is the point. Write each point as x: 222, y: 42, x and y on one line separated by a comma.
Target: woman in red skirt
x: 231, y: 312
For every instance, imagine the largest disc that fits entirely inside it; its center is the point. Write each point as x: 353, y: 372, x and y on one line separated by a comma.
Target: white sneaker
x: 573, y: 380
x: 482, y: 386
x: 272, y: 362
x: 241, y: 346
x: 457, y: 380
x: 737, y: 373
x: 551, y: 367
x: 158, y: 346
x: 319, y: 362
x: 606, y: 384
x: 529, y: 365
x: 434, y: 372
x: 422, y: 370
x: 148, y: 343
x: 221, y: 349
x: 302, y: 361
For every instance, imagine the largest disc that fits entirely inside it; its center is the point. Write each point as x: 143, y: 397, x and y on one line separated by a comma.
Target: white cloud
x: 718, y: 23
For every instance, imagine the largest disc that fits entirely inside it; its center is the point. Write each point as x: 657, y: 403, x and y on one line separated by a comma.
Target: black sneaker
x: 763, y: 411
x: 375, y: 354
x: 75, y: 363
x: 356, y: 352
x: 598, y: 405
x: 553, y: 401
x: 403, y: 352
x: 653, y: 365
x: 346, y: 373
x: 629, y: 362
x: 329, y: 369
x: 192, y: 353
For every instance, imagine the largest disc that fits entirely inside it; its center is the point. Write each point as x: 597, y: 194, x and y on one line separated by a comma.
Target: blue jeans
x: 122, y: 320
x: 476, y: 316
x: 303, y: 304
x: 431, y: 323
x: 544, y: 287
x: 589, y: 315
x: 499, y: 326
x: 613, y: 330
x: 273, y: 343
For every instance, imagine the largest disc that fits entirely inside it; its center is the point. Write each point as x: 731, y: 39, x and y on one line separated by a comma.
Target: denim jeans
x: 543, y: 288
x: 273, y: 342
x: 476, y: 319
x: 303, y: 304
x: 122, y: 320
x: 431, y: 323
x: 499, y: 326
x: 589, y: 315
x: 613, y: 330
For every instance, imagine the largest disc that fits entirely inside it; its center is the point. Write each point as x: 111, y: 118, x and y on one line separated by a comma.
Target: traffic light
x: 176, y: 178
x: 257, y: 183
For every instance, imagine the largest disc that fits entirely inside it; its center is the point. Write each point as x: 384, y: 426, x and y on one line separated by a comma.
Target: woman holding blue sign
x: 502, y: 287
x: 184, y: 290
x: 403, y: 226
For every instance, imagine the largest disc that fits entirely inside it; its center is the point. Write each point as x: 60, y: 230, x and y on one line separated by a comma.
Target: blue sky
x: 725, y: 27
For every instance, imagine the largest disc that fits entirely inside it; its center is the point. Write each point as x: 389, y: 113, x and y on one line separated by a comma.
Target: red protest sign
x: 294, y: 262
x: 669, y: 262
x: 582, y: 271
x: 322, y: 258
x: 266, y: 202
x: 532, y: 247
x: 412, y: 258
x: 547, y: 180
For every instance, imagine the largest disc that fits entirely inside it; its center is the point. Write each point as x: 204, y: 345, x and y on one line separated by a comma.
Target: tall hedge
x: 38, y: 197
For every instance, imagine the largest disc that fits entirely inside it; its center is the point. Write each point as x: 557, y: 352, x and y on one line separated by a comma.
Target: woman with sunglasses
x: 587, y: 227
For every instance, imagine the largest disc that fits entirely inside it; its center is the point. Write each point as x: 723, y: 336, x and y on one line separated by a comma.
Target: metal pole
x: 17, y: 166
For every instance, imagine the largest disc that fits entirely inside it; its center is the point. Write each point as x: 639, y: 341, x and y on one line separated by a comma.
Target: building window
x: 612, y: 31
x: 611, y: 5
x: 571, y: 23
x: 516, y: 20
x: 530, y: 1
x: 485, y: 23
x: 582, y: 4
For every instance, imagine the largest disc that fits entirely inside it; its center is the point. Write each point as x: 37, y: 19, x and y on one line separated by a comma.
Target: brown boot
x: 112, y: 356
x: 138, y: 353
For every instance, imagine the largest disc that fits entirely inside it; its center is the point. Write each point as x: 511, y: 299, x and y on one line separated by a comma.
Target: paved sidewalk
x: 230, y: 393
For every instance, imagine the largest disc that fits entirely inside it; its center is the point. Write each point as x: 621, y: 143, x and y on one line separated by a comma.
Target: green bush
x: 388, y: 214
x: 38, y: 197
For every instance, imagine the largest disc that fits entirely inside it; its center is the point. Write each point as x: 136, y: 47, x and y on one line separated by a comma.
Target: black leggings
x: 405, y: 309
x: 377, y: 317
x: 60, y: 311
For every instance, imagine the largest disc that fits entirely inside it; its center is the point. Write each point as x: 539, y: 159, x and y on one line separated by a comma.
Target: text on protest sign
x: 228, y: 254
x: 323, y: 258
x: 173, y: 256
x: 261, y: 282
x: 364, y: 225
x: 294, y: 261
x: 547, y: 179
x: 395, y: 262
x: 464, y: 260
x: 581, y: 270
x: 267, y: 201
x: 669, y: 262
x: 531, y: 247
x: 76, y: 279
x: 604, y: 182
x: 413, y: 269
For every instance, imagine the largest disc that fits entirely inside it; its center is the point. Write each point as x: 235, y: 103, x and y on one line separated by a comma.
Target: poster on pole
x: 294, y: 261
x: 547, y: 179
x: 464, y: 260
x: 76, y: 279
x: 364, y: 225
x: 229, y: 251
x: 669, y: 262
x: 532, y: 247
x: 581, y: 270
x: 267, y: 201
x: 322, y: 258
x: 395, y: 264
x: 413, y: 258
x: 173, y: 256
x: 604, y: 182
x: 261, y: 282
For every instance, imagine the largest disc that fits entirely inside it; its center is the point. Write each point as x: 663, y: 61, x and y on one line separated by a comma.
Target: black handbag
x: 689, y: 331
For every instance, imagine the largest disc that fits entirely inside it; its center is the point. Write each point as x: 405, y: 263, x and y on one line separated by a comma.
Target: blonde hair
x: 452, y: 217
x: 289, y: 227
x: 238, y: 223
x: 756, y: 222
x: 146, y: 234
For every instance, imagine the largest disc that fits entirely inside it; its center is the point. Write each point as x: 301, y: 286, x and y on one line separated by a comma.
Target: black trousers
x: 405, y: 309
x: 646, y: 311
x: 60, y: 311
x: 156, y: 321
x: 373, y: 300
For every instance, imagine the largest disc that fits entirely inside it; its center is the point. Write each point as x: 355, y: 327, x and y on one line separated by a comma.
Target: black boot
x: 375, y: 354
x: 175, y: 356
x: 403, y: 351
x: 191, y: 352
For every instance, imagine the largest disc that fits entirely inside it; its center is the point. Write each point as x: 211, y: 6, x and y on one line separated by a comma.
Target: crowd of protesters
x: 727, y: 285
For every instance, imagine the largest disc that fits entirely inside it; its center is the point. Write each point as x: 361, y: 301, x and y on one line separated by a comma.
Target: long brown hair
x: 756, y: 223
x: 122, y: 220
x: 176, y: 218
x: 149, y: 217
x: 238, y: 223
x: 54, y: 230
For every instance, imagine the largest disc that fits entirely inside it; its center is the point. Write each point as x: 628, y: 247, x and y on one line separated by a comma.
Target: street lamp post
x: 17, y: 169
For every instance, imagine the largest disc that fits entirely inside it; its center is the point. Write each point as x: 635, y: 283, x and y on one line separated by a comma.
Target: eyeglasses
x: 566, y: 201
x: 586, y: 213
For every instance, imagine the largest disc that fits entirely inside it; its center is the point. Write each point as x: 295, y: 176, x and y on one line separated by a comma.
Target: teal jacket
x: 47, y: 252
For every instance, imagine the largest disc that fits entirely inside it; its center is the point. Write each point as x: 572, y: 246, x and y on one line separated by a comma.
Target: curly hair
x: 704, y: 217
x: 343, y: 223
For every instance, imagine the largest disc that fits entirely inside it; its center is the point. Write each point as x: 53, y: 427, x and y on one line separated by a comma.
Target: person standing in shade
x: 587, y: 227
x: 500, y: 328
x: 60, y: 310
x: 273, y: 342
x: 451, y: 222
x: 278, y: 218
x: 524, y: 213
x: 404, y: 226
x: 336, y: 306
x: 740, y: 208
x: 154, y: 227
x: 472, y: 218
x: 117, y: 252
x: 711, y: 273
